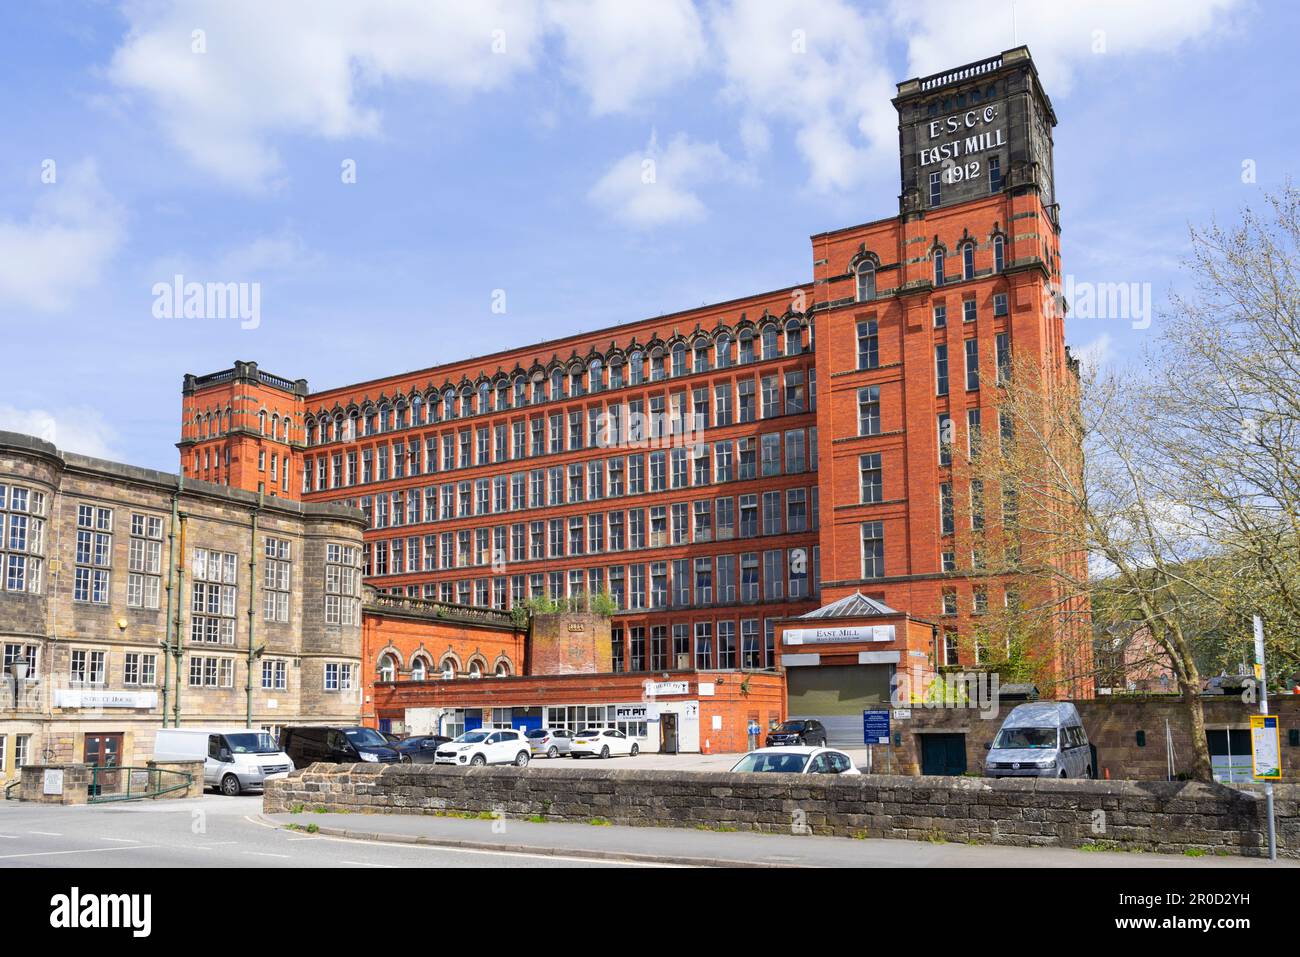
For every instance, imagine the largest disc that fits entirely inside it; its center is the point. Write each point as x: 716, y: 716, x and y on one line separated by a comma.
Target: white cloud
x: 1095, y: 354
x: 1061, y: 35
x: 75, y: 227
x: 623, y: 52
x: 818, y: 67
x: 71, y: 429
x: 303, y: 66
x: 655, y: 186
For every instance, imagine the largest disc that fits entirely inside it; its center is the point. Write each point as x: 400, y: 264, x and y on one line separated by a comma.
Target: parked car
x: 800, y: 731
x: 390, y: 737
x: 233, y: 758
x: 551, y: 742
x: 485, y: 746
x: 1044, y: 739
x: 421, y: 748
x: 603, y: 742
x: 336, y: 745
x: 796, y: 759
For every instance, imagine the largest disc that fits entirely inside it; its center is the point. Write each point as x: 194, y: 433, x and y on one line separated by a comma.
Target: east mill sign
x: 979, y: 139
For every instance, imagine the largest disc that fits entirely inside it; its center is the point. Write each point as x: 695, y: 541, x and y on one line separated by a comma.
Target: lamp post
x: 19, y: 670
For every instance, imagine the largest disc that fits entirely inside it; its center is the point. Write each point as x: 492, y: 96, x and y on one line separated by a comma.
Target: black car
x: 420, y: 748
x: 804, y: 731
x: 337, y: 745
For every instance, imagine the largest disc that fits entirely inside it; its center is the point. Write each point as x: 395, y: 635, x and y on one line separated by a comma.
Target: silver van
x: 1043, y: 739
x: 234, y: 759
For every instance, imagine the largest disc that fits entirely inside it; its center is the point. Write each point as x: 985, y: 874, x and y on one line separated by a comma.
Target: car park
x: 421, y: 748
x: 336, y: 745
x: 796, y: 759
x: 603, y: 743
x: 485, y: 746
x: 1041, y: 739
x: 797, y: 731
x: 551, y: 742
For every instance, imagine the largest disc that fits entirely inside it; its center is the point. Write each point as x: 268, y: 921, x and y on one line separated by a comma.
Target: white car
x: 797, y: 760
x: 602, y: 742
x: 485, y: 746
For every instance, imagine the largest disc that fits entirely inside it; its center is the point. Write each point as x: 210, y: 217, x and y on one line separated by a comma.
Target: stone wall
x: 570, y: 643
x: 1157, y: 816
x: 1112, y: 723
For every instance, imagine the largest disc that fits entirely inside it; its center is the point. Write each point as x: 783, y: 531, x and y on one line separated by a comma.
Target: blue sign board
x: 875, y: 727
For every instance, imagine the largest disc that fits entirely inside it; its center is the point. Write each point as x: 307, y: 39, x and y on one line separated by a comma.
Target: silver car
x: 551, y: 742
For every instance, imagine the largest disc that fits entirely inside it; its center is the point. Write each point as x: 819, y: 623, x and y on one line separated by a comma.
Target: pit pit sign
x: 1265, y: 747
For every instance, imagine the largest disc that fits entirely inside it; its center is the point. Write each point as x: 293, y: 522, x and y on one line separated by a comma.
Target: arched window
x: 521, y: 392
x: 793, y: 338
x: 387, y: 668
x: 449, y: 404
x: 635, y: 368
x: 448, y: 668
x: 261, y: 422
x: 419, y: 669
x: 385, y: 418
x: 724, y: 351
x: 999, y: 254
x: 595, y: 376
x: 968, y: 261
x: 484, y: 398
x: 502, y: 669
x: 866, y: 281
x: 679, y: 359
x: 350, y: 432
x: 701, y: 355
x: 311, y: 431
x: 769, y: 341
x: 938, y: 267
x: 616, y: 367
x: 746, y: 347
x: 476, y: 669
x: 557, y: 384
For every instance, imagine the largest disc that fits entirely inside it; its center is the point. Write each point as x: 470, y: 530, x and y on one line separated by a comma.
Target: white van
x: 1042, y: 739
x: 233, y: 758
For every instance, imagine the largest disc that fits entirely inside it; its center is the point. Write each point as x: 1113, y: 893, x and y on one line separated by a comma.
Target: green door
x: 943, y: 754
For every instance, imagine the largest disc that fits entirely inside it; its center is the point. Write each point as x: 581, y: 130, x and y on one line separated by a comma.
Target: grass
x: 296, y: 808
x: 537, y: 819
x: 599, y: 822
x: 1194, y: 852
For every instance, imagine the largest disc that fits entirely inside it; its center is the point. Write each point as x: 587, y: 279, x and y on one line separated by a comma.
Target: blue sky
x: 499, y: 146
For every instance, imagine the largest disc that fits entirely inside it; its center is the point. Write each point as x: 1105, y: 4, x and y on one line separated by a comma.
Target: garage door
x: 836, y: 695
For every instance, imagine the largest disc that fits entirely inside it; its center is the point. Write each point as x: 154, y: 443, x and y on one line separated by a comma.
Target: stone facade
x: 569, y: 644
x: 90, y: 610
x: 1165, y: 817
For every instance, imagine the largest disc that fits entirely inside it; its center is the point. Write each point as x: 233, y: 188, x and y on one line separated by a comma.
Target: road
x: 217, y: 831
x: 213, y: 831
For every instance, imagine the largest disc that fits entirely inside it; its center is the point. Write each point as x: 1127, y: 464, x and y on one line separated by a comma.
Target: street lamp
x: 19, y: 671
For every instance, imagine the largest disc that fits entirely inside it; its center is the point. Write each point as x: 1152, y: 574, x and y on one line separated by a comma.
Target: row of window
x: 389, y: 668
x: 668, y: 421
x: 598, y: 480
x: 793, y: 511
x: 22, y: 537
x: 562, y: 383
x: 709, y: 645
x: 88, y: 668
x: 770, y: 575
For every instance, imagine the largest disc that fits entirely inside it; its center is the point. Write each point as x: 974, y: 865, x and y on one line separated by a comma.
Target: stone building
x: 265, y: 628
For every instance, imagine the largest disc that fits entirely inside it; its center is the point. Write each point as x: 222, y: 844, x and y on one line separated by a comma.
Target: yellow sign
x: 1265, y: 747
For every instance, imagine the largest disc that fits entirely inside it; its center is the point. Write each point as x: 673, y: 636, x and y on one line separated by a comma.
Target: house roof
x: 856, y: 605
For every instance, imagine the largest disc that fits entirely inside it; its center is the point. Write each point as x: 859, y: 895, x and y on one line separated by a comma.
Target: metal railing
x: 126, y: 783
x: 10, y: 787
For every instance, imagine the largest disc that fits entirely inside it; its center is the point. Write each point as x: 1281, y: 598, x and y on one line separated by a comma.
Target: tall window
x: 22, y: 537
x: 866, y: 281
x: 870, y: 479
x: 999, y: 254
x: 144, y: 562
x: 869, y: 410
x: 945, y: 509
x: 938, y: 267
x: 972, y: 364
x: 968, y: 261
x: 945, y: 439
x: 873, y: 550
x: 995, y: 174
x: 275, y: 580
x: 94, y: 554
x: 1002, y: 345
x: 212, y: 618
x: 868, y: 344
x: 935, y: 189
x: 941, y: 369
x: 342, y: 600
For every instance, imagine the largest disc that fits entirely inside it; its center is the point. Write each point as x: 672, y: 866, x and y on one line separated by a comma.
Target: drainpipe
x: 252, y: 591
x: 176, y: 622
x: 171, y: 585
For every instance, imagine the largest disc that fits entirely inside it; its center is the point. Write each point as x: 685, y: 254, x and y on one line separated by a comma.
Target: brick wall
x: 1166, y: 817
x: 569, y: 643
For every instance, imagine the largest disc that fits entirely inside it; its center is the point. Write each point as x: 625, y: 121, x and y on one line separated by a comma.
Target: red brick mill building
x: 718, y: 471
